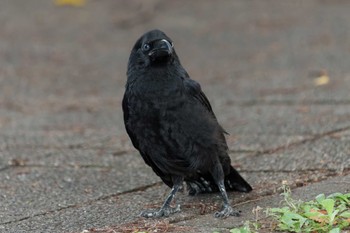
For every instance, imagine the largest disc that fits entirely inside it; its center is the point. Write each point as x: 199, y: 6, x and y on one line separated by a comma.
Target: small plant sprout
x: 324, y: 214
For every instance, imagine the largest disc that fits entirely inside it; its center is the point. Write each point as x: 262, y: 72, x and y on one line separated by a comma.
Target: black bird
x: 170, y: 121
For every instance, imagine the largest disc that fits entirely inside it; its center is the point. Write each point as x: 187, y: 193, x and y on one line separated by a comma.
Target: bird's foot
x: 226, y: 212
x: 163, y: 212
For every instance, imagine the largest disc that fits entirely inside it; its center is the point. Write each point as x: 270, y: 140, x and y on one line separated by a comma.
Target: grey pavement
x: 66, y: 163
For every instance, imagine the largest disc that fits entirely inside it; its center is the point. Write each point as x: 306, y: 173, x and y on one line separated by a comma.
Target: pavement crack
x: 265, y: 194
x: 70, y: 147
x: 242, y: 151
x: 142, y: 188
x: 4, y: 168
x: 297, y: 170
x: 312, y: 138
x: 45, y: 166
x: 250, y: 103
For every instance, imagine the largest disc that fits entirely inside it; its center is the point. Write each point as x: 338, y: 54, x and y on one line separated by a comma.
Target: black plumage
x: 171, y: 122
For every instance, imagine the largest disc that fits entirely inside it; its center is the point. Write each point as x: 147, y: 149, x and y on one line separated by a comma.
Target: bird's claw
x: 163, y: 212
x: 226, y: 212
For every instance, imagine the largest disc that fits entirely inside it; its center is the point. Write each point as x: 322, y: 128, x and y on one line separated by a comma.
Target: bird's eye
x: 146, y: 47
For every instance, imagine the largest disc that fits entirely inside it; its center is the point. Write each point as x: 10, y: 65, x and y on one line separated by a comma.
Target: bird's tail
x: 235, y: 182
x: 206, y: 184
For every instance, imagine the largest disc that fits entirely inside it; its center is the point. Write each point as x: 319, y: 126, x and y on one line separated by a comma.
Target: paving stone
x: 66, y: 163
x: 31, y: 190
x: 304, y: 193
x: 123, y: 209
x: 285, y: 120
x: 328, y: 153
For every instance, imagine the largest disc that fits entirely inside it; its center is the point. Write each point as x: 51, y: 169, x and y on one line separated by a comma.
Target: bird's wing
x: 132, y: 136
x: 166, y: 179
x: 194, y: 89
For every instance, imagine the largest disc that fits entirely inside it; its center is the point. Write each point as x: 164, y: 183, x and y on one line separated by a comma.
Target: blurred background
x: 62, y: 51
x: 66, y: 59
x: 73, y: 53
x: 276, y: 73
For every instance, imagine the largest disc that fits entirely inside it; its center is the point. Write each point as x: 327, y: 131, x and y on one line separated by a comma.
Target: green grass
x: 324, y: 214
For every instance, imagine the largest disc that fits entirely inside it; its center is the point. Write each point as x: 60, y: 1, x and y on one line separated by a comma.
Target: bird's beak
x: 161, y: 49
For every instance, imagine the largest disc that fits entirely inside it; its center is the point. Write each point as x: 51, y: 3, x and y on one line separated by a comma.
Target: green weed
x: 324, y: 214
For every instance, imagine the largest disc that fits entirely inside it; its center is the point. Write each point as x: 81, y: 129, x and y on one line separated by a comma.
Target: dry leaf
x: 321, y: 80
x: 318, y: 219
x: 18, y: 162
x: 70, y: 2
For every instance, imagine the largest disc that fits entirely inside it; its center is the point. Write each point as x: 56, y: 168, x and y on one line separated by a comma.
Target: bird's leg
x: 226, y: 210
x: 166, y: 210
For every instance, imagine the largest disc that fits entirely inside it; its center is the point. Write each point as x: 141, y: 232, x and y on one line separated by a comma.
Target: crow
x: 172, y: 124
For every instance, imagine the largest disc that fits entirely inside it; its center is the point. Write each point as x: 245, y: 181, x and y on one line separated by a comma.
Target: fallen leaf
x: 70, y: 2
x: 18, y: 162
x: 317, y: 218
x: 321, y: 80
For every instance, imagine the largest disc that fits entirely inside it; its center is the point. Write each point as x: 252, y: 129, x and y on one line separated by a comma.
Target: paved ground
x: 66, y: 163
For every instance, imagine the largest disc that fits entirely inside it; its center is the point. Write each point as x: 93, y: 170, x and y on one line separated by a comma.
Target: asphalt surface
x: 277, y: 75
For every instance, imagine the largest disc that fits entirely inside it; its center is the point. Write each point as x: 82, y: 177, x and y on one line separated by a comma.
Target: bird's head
x: 154, y: 48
